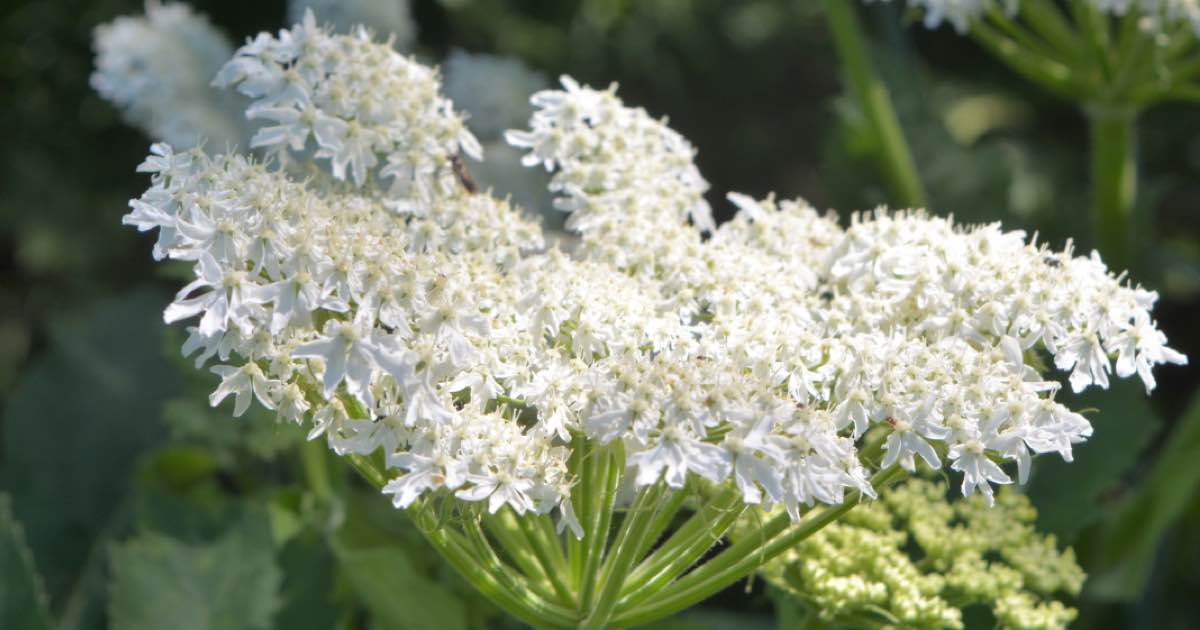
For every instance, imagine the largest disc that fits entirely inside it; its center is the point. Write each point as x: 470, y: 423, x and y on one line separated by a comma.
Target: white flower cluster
x: 801, y: 335
x: 449, y: 339
x: 358, y: 101
x: 157, y: 69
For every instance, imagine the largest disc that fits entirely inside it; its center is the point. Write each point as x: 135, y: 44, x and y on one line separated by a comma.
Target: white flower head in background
x: 493, y: 90
x: 157, y: 68
x: 1157, y: 16
x: 387, y: 18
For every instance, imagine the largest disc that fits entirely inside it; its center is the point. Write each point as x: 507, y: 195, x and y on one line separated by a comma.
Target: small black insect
x: 464, y: 176
x: 1052, y: 261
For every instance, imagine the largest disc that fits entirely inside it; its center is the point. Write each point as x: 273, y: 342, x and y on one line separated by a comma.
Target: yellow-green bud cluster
x: 916, y: 559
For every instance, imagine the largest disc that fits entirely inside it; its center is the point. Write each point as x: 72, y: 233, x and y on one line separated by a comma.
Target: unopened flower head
x: 156, y: 68
x: 966, y: 554
x: 447, y: 336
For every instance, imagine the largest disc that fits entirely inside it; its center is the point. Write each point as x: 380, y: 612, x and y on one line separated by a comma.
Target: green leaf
x: 233, y: 582
x: 1070, y: 496
x: 395, y: 592
x: 74, y: 428
x: 178, y: 494
x: 22, y: 598
x: 308, y: 599
x: 1129, y: 540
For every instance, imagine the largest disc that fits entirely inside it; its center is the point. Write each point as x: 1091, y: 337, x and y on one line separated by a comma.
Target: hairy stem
x: 873, y: 99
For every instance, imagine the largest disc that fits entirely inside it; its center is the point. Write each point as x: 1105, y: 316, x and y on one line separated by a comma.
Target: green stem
x: 512, y: 596
x: 1114, y: 181
x: 581, y: 500
x: 1026, y: 39
x: 1045, y: 17
x: 1094, y: 27
x: 872, y: 96
x: 547, y: 533
x: 314, y: 460
x: 624, y: 550
x: 743, y: 557
x: 545, y: 556
x: 662, y: 520
x: 1047, y: 73
x: 606, y: 469
x: 504, y: 529
x: 685, y: 546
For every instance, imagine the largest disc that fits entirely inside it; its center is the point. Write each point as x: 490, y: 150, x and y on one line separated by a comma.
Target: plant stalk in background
x: 873, y: 100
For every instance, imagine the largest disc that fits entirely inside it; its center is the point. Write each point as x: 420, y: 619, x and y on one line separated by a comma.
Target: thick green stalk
x: 1114, y: 181
x: 742, y: 558
x: 872, y: 96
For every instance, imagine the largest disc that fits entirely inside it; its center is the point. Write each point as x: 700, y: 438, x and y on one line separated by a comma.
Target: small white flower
x: 242, y: 382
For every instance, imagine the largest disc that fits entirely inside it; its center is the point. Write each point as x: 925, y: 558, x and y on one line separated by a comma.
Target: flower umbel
x: 427, y: 323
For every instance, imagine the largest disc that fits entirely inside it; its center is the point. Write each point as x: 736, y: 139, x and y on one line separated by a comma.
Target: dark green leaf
x: 75, y: 426
x: 1130, y: 538
x: 22, y: 598
x: 308, y: 587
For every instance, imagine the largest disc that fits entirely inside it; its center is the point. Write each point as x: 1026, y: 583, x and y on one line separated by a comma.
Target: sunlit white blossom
x: 426, y: 320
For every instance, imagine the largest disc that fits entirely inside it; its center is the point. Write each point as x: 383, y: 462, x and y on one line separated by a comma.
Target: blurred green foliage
x: 122, y: 479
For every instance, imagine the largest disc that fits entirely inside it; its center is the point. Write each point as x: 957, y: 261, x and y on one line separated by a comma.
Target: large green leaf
x: 74, y: 428
x: 22, y: 599
x: 231, y: 583
x: 308, y: 595
x: 1069, y: 496
x: 397, y: 595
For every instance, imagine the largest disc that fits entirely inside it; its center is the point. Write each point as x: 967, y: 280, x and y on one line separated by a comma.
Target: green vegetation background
x: 116, y: 477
